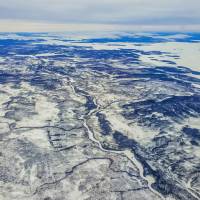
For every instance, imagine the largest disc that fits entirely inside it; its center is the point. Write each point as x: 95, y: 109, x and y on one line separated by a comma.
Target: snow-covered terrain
x: 100, y: 116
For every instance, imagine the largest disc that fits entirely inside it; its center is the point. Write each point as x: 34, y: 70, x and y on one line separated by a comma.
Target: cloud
x: 129, y: 12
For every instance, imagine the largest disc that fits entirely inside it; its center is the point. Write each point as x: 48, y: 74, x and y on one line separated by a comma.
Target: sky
x: 97, y: 14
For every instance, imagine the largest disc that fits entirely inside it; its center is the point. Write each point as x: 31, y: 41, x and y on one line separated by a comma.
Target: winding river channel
x: 128, y: 153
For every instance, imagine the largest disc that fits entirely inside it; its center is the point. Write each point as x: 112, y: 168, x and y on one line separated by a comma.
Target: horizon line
x: 34, y: 26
